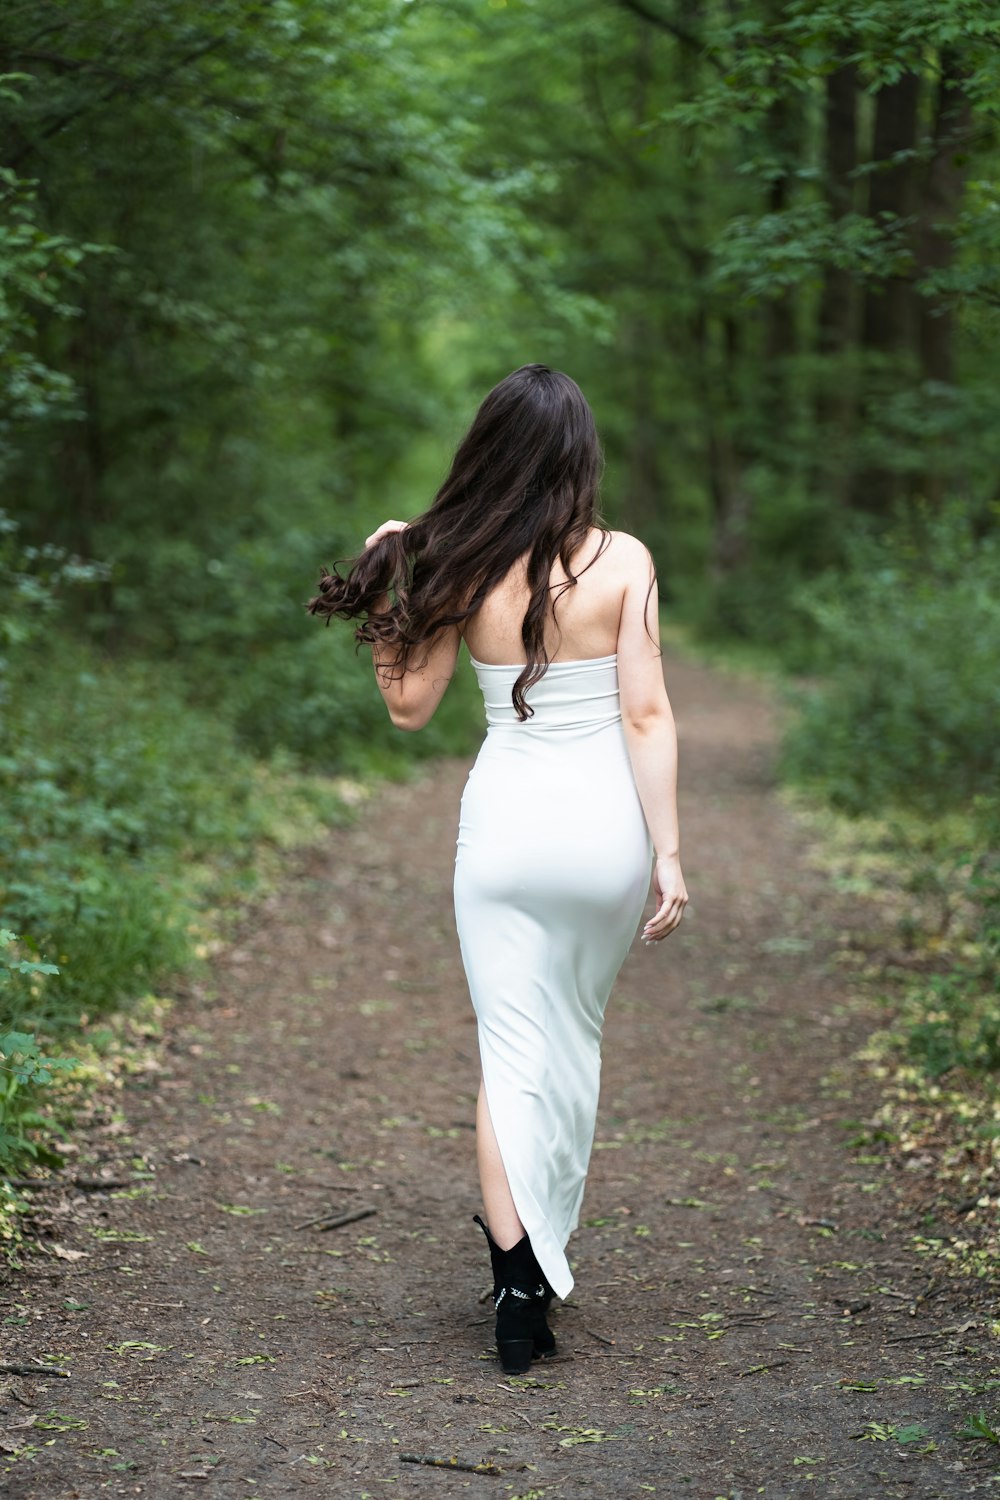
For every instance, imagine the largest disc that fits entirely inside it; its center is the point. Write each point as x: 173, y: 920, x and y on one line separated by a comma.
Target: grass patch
x: 932, y: 961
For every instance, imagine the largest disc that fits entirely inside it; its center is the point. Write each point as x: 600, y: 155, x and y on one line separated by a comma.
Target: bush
x: 791, y: 535
x: 908, y: 642
x: 119, y: 797
x: 24, y: 1070
x: 952, y: 1020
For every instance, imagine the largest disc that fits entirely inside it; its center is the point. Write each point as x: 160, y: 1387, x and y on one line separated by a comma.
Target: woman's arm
x: 650, y: 734
x: 413, y: 696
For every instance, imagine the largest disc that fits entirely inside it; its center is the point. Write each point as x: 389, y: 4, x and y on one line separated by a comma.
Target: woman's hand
x: 384, y: 530
x: 671, y: 899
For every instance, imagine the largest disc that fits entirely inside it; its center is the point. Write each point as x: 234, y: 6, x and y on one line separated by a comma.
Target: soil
x: 751, y: 1315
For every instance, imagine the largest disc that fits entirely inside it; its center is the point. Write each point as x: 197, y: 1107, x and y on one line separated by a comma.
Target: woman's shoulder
x: 613, y: 560
x: 627, y: 552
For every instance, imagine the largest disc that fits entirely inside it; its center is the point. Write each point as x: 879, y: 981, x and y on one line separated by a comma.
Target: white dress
x: 551, y: 878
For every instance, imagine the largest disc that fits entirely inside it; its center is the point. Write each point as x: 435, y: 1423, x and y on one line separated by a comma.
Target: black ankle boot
x: 521, y: 1295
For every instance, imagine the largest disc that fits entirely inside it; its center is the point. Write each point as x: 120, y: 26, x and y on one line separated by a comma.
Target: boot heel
x: 544, y: 1342
x: 515, y: 1355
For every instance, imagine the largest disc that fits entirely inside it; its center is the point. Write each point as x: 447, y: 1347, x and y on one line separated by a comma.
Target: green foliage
x: 117, y: 792
x: 321, y: 233
x: 908, y: 641
x: 952, y: 1020
x: 280, y: 194
x: 31, y: 582
x: 25, y: 1070
x: 980, y: 1428
x: 36, y: 270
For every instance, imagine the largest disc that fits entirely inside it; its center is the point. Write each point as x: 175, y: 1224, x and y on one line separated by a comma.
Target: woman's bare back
x: 587, y: 614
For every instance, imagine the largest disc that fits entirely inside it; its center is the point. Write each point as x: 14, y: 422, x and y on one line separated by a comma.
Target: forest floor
x: 751, y: 1316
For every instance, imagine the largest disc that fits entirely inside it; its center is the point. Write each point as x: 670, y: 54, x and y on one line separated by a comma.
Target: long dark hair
x: 524, y: 481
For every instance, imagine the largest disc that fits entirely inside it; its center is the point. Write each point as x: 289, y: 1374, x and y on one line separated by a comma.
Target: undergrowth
x: 905, y: 644
x: 932, y: 960
x: 127, y: 811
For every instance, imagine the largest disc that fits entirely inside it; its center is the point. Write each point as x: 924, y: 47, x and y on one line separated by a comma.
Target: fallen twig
x: 317, y: 1186
x: 774, y: 1364
x: 448, y: 1463
x: 30, y: 1369
x: 351, y: 1218
x: 599, y: 1354
x: 598, y: 1336
x: 940, y: 1333
x: 336, y: 1221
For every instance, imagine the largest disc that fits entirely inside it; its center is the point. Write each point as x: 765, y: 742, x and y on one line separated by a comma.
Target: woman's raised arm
x: 412, y: 696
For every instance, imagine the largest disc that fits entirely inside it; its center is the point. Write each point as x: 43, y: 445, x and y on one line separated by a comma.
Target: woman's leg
x: 501, y: 1215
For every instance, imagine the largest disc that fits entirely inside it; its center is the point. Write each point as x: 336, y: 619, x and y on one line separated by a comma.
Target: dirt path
x: 748, y: 1316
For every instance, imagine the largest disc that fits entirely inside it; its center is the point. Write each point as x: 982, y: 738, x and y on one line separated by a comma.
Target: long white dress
x: 551, y: 877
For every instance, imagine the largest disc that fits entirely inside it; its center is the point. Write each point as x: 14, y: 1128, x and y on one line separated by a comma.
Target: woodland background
x: 258, y: 264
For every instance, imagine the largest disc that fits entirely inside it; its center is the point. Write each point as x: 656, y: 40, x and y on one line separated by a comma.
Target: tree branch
x: 665, y: 23
x: 123, y: 84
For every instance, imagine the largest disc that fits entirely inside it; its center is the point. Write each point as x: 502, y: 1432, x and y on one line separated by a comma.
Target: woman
x: 572, y: 792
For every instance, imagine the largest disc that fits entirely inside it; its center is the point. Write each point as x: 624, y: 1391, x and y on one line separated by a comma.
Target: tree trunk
x: 836, y: 319
x: 941, y: 200
x: 780, y: 149
x: 890, y: 313
x: 79, y: 446
x: 890, y: 310
x: 783, y: 133
x: 648, y: 498
x: 728, y: 494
